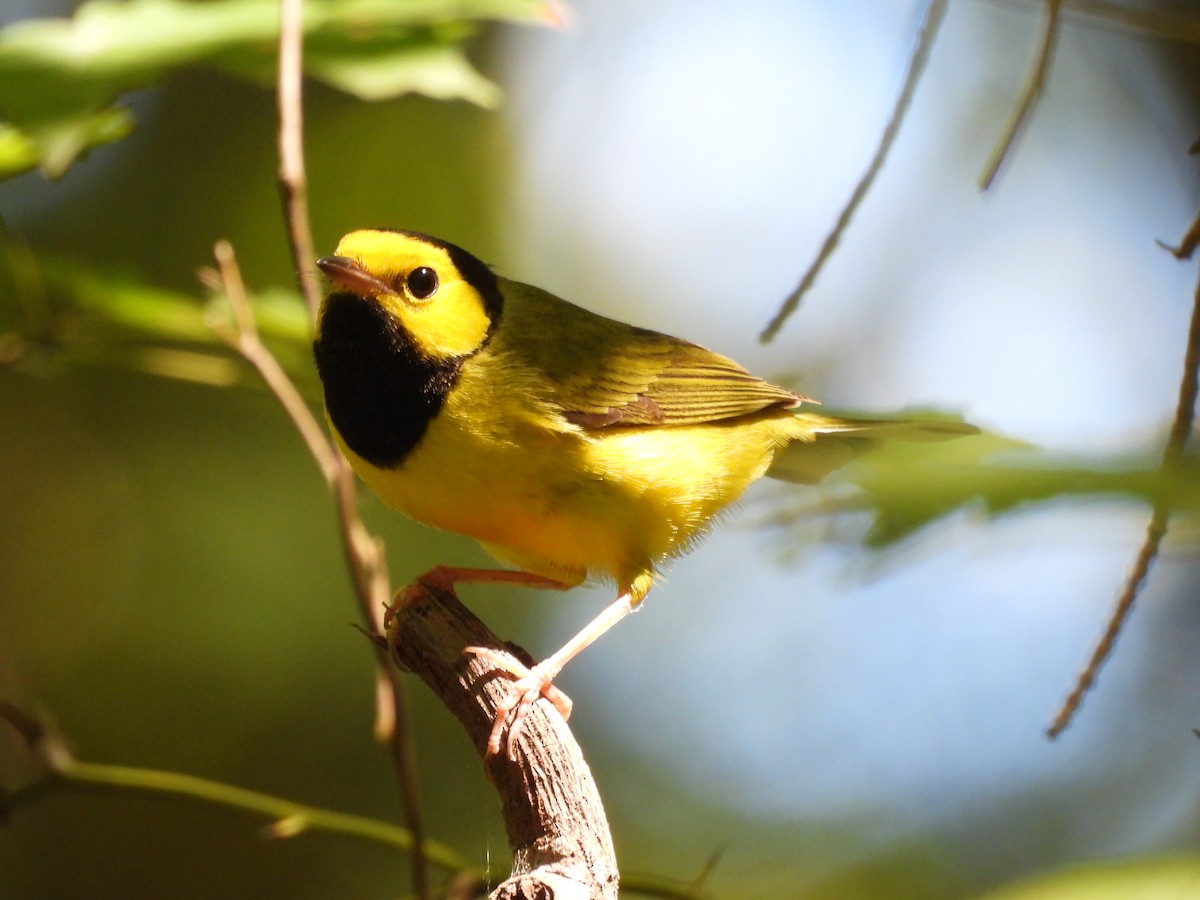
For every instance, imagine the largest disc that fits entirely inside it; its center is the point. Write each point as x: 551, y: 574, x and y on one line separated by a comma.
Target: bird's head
x: 444, y: 299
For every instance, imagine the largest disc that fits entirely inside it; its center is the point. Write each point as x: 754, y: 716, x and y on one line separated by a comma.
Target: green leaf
x: 93, y: 317
x: 97, y: 305
x: 906, y: 486
x: 59, y: 77
x: 55, y: 145
x: 442, y: 73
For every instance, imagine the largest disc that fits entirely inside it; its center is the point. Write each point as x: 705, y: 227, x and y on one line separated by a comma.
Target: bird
x: 571, y: 446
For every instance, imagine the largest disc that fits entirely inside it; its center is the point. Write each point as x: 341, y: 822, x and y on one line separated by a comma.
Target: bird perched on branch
x: 571, y: 446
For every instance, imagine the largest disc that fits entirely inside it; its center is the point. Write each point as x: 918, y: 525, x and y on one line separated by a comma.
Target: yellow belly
x: 569, y: 505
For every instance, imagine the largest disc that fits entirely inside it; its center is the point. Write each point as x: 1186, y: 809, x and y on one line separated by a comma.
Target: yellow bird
x: 571, y: 446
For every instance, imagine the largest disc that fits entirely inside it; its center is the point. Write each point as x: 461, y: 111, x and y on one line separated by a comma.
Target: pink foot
x: 528, y: 686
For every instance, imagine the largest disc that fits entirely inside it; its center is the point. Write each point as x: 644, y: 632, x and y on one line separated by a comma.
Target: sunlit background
x: 836, y: 722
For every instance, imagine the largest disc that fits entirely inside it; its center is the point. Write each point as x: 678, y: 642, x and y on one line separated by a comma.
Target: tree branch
x: 293, y: 185
x: 1035, y: 83
x: 934, y: 13
x: 364, y: 554
x: 1181, y: 429
x: 552, y: 812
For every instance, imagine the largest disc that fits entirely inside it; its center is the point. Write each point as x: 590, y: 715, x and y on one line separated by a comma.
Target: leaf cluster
x: 60, y: 78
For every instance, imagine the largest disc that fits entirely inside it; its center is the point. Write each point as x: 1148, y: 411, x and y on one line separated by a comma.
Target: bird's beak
x: 347, y: 273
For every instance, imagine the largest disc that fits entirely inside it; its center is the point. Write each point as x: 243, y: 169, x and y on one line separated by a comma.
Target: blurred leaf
x: 124, y: 303
x: 905, y: 486
x: 58, y: 77
x: 92, y: 316
x: 1147, y: 879
x: 59, y: 146
x: 439, y: 72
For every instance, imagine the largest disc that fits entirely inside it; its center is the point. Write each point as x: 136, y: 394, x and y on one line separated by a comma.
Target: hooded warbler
x: 570, y: 445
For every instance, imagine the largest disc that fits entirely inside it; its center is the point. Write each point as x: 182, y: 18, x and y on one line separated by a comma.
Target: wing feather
x: 659, y: 380
x: 601, y: 373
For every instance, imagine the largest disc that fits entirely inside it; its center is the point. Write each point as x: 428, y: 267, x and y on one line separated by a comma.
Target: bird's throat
x: 381, y: 393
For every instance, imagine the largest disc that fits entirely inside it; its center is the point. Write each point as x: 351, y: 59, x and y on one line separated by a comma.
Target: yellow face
x: 419, y: 284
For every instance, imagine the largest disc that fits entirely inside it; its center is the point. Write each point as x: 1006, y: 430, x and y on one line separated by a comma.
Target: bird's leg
x: 444, y: 578
x: 532, y: 683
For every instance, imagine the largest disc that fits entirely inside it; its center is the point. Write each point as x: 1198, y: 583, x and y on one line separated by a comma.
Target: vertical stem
x: 1181, y: 429
x: 292, y: 182
x: 935, y: 12
x: 1035, y: 83
x: 364, y: 554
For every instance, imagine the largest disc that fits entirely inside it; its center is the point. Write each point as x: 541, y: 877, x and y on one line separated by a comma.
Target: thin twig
x: 368, y: 566
x: 1181, y: 429
x: 364, y: 554
x: 293, y: 186
x: 1187, y: 244
x: 934, y: 14
x: 288, y: 819
x: 1086, y: 679
x: 1031, y: 92
x: 244, y: 339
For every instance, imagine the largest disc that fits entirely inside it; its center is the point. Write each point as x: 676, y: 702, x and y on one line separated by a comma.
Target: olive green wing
x: 598, y: 372
x: 653, y: 379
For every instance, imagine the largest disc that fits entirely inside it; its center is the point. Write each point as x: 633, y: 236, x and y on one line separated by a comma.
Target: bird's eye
x: 422, y: 282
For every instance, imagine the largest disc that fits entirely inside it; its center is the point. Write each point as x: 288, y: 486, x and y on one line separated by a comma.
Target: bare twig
x: 1086, y: 679
x: 1181, y: 429
x: 934, y: 13
x: 293, y: 185
x: 364, y: 553
x: 62, y: 771
x: 1031, y: 92
x: 244, y: 339
x: 1187, y: 244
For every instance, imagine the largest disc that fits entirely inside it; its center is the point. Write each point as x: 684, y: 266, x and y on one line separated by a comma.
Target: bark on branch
x: 557, y: 831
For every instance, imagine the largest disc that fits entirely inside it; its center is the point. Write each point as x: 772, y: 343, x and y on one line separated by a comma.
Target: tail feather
x: 830, y: 442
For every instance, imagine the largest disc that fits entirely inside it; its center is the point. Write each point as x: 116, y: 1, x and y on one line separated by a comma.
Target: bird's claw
x: 524, y: 692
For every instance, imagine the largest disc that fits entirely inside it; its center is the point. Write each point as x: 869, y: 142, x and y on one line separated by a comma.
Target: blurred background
x: 834, y: 721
